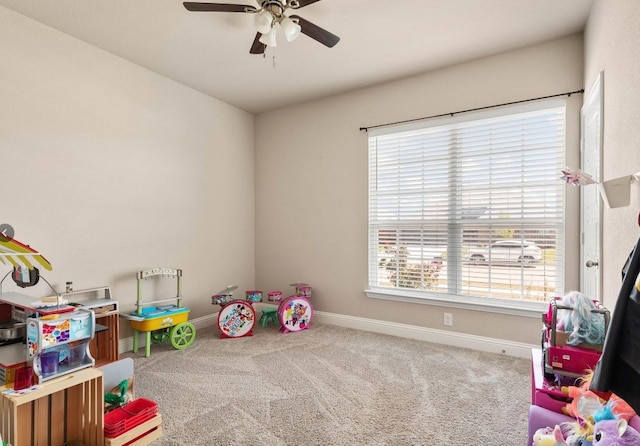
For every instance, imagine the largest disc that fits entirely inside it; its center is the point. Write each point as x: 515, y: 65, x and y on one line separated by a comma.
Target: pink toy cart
x: 236, y: 317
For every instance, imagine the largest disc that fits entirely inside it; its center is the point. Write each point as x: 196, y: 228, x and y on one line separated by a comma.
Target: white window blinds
x: 470, y: 207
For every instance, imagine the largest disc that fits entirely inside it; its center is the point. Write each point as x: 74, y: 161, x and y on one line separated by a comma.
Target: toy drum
x: 294, y: 314
x: 236, y: 319
x: 254, y: 296
x: 274, y: 296
x: 303, y: 290
x: 225, y: 296
x: 221, y: 299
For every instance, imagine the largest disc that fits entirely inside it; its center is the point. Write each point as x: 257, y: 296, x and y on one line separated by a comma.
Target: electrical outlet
x: 448, y: 319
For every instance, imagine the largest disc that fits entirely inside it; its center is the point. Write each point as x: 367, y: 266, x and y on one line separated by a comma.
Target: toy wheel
x: 183, y: 335
x: 158, y: 336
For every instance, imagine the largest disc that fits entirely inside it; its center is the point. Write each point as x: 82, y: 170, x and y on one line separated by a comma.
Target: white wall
x: 311, y: 180
x: 108, y: 169
x: 612, y: 45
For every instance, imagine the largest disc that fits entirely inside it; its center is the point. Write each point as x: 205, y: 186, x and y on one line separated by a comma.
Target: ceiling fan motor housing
x: 275, y: 7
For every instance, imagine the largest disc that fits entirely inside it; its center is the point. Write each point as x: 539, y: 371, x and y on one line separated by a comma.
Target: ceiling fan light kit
x: 263, y: 21
x: 269, y: 38
x: 290, y: 28
x: 271, y: 14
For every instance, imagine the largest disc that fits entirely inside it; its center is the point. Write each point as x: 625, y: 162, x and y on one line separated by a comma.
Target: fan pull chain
x: 264, y: 56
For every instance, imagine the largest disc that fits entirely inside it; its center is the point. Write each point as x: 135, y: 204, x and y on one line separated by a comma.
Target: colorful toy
x: 295, y: 312
x: 18, y: 254
x: 236, y: 317
x: 161, y: 323
x: 620, y: 408
x: 582, y: 324
x: 578, y: 433
x: 615, y: 433
x: 586, y: 404
x: 561, y: 358
x: 269, y: 313
x: 549, y: 437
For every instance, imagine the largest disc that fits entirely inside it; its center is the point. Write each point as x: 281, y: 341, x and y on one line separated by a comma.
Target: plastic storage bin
x: 49, y: 362
x: 124, y: 418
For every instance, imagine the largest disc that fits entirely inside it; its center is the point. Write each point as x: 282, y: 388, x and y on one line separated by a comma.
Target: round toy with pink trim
x: 236, y: 317
x: 274, y: 296
x: 295, y: 312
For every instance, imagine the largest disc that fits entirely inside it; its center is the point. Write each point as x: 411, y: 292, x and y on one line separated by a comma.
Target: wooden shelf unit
x: 143, y: 434
x: 61, y: 410
x: 104, y: 345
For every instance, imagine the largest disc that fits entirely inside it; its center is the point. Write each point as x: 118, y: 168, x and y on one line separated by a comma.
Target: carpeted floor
x: 333, y: 386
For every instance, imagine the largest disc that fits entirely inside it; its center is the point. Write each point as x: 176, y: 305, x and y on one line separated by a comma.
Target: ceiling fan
x: 270, y: 14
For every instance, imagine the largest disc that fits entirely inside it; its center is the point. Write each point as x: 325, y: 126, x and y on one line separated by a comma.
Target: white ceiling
x: 381, y: 40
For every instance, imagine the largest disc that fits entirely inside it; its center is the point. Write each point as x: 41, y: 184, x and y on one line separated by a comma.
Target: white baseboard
x: 491, y: 345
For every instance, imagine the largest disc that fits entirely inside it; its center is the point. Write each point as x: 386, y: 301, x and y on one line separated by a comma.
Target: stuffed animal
x: 579, y: 432
x: 615, y: 433
x: 549, y: 437
x: 620, y: 408
x: 586, y: 404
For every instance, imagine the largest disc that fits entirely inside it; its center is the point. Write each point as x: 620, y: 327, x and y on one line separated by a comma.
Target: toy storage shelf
x: 59, y: 411
x: 104, y: 345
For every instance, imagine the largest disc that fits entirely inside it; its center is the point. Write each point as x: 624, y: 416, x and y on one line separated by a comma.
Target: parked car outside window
x: 507, y: 251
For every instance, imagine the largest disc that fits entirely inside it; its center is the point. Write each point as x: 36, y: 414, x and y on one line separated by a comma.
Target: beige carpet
x: 333, y: 386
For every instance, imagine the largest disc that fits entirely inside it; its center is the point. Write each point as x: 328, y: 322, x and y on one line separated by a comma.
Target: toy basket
x: 124, y: 418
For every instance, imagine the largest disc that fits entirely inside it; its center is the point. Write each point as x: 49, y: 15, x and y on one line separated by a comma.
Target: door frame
x: 595, y: 99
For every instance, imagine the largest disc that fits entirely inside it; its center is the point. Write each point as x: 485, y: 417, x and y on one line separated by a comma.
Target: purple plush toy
x: 615, y: 433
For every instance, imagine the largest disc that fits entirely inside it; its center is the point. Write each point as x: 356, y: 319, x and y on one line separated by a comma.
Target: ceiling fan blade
x: 297, y: 4
x: 315, y: 32
x: 217, y: 7
x: 257, y: 47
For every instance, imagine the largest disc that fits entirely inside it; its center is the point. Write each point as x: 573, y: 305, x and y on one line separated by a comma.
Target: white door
x: 591, y: 126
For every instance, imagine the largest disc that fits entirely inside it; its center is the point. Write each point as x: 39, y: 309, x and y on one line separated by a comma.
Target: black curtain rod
x: 569, y: 93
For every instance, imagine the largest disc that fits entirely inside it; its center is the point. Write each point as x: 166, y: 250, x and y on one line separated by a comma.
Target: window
x: 469, y: 209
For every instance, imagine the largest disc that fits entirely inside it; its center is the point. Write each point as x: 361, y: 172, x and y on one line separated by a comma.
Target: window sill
x: 501, y: 306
